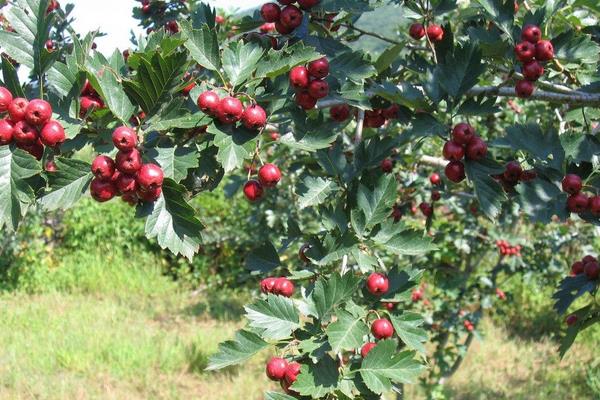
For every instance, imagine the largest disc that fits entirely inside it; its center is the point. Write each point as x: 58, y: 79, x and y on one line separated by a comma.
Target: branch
x: 574, y: 98
x: 360, y: 123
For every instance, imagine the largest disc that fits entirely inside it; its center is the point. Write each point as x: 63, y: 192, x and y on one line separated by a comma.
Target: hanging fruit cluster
x: 309, y: 82
x: 532, y: 51
x: 464, y: 143
x: 506, y: 249
x: 289, y: 18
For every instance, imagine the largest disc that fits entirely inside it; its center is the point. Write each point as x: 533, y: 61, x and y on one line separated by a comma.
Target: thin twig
x: 360, y: 123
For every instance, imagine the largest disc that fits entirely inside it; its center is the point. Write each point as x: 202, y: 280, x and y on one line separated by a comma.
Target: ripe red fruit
x: 377, y: 284
x: 367, y: 347
x: 102, y: 190
x: 282, y: 29
x: 533, y: 70
x: 389, y: 306
x: 16, y: 109
x: 291, y: 372
x: 150, y: 176
x: 208, y: 103
x: 525, y: 51
x: 253, y: 190
x: 36, y: 149
x: 435, y: 179
x: 274, y: 136
x: 468, y: 325
x: 50, y: 166
x: 435, y: 33
x: 572, y: 184
x: 254, y: 117
x: 588, y: 259
x: 24, y: 133
x: 319, y: 69
x: 578, y: 203
x: 267, y: 27
x: 416, y: 295
x: 453, y: 151
x: 269, y: 175
x: 188, y: 88
x: 52, y: 134
x: 435, y: 195
x: 5, y: 98
x: 524, y: 89
x: 374, y: 119
x: 38, y: 112
x: 126, y: 183
x: 103, y: 167
x: 455, y: 171
x: 544, y: 51
x: 592, y: 270
x: 531, y: 33
x: 571, y: 319
x: 382, y: 328
x: 396, y: 213
x: 528, y: 175
x: 391, y: 112
x: 149, y: 195
x: 128, y: 162
x: 476, y: 149
x: 307, y: 4
x: 50, y: 45
x: 291, y: 17
x: 230, y: 110
x: 387, y: 165
x: 512, y: 171
x: 594, y: 204
x: 124, y: 138
x: 577, y: 268
x: 6, y: 131
x: 426, y: 209
x: 305, y: 100
x: 416, y: 31
x: 318, y: 89
x: 276, y: 368
x: 500, y: 293
x: 219, y: 19
x: 339, y: 113
x: 286, y: 2
x: 270, y: 12
x: 267, y: 285
x: 86, y: 103
x: 463, y: 133
x: 284, y: 287
x: 299, y: 77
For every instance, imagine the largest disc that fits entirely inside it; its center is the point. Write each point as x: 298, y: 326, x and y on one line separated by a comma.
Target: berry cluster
x: 464, y: 143
x: 377, y: 284
x: 309, y: 82
x: 52, y: 5
x: 290, y: 17
x: 417, y: 295
x: 514, y: 174
x: 378, y: 117
x: 468, y: 325
x: 278, y: 369
x: 531, y: 51
x: 90, y: 100
x: 506, y: 249
x: 579, y: 202
x: 339, y: 113
x: 230, y: 110
x: 281, y: 286
x: 269, y: 176
x: 29, y: 124
x: 126, y: 175
x: 434, y: 32
x: 588, y: 265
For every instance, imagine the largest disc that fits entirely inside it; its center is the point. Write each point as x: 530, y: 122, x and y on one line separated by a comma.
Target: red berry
x: 339, y: 113
x: 463, y: 133
x: 291, y: 17
x: 253, y: 190
x: 269, y: 175
x: 435, y: 195
x: 230, y: 110
x: 88, y: 103
x: 588, y: 259
x: 377, y: 284
x: 124, y: 138
x: 387, y: 165
x: 453, y: 151
x: 528, y: 175
x: 267, y: 27
x: 17, y: 108
x: 382, y: 328
x: 36, y: 149
x: 533, y: 70
x: 571, y: 320
x: 128, y: 162
x: 374, y: 119
x: 512, y: 171
x: 286, y: 2
x: 319, y: 69
x: 102, y: 190
x: 254, y: 117
x: 50, y: 166
x: 455, y: 171
x: 149, y: 195
x: 38, y: 112
x: 307, y: 4
x: 126, y: 183
x: 594, y: 203
x: 267, y: 285
x: 525, y: 51
x: 435, y: 33
x: 219, y: 19
x: 476, y: 149
x: 416, y: 295
x: 291, y: 372
x: 52, y: 134
x: 6, y: 132
x: 103, y: 167
x: 544, y: 51
x: 396, y: 213
x: 435, y: 179
x: 276, y: 368
x: 24, y: 133
x: 299, y: 77
x: 572, y: 184
x: 318, y: 89
x: 208, y: 103
x: 270, y: 12
x: 150, y: 176
x: 426, y: 209
x: 284, y: 287
x: 391, y: 112
x: 282, y: 29
x: 305, y: 100
x: 592, y: 270
x: 367, y: 347
x: 188, y: 88
x: 389, y: 306
x: 531, y: 33
x: 524, y: 89
x: 416, y: 31
x: 5, y: 98
x: 578, y: 203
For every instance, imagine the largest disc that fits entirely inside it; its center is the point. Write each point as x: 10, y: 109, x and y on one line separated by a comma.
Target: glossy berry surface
x: 377, y: 284
x: 150, y: 176
x: 269, y: 175
x: 253, y: 190
x: 124, y: 138
x: 382, y: 328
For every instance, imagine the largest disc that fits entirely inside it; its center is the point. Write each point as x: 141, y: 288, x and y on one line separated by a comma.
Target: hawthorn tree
x: 482, y: 113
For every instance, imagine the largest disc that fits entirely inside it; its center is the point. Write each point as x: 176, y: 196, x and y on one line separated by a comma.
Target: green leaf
x: 203, y: 45
x: 541, y: 200
x: 275, y: 318
x: 575, y: 48
x: 384, y: 365
x: 461, y: 70
x: 11, y: 78
x: 175, y: 115
x: 279, y: 62
x: 489, y: 192
x: 278, y: 396
x: 314, y: 190
x: 403, y: 93
x: 570, y: 289
x: 239, y: 61
x: 232, y: 352
x: 235, y: 145
x: 351, y: 65
x: 532, y: 139
x: 67, y: 184
x: 15, y: 193
x: 331, y: 293
x: 389, y: 55
x: 502, y: 12
x: 423, y: 125
x: 408, y: 328
x: 347, y: 332
x: 406, y: 242
x: 175, y: 161
x: 579, y: 147
x: 173, y: 221
x: 264, y: 258
x: 376, y: 205
x: 317, y: 380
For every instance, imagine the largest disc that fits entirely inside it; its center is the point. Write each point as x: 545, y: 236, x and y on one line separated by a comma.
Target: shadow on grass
x: 227, y: 306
